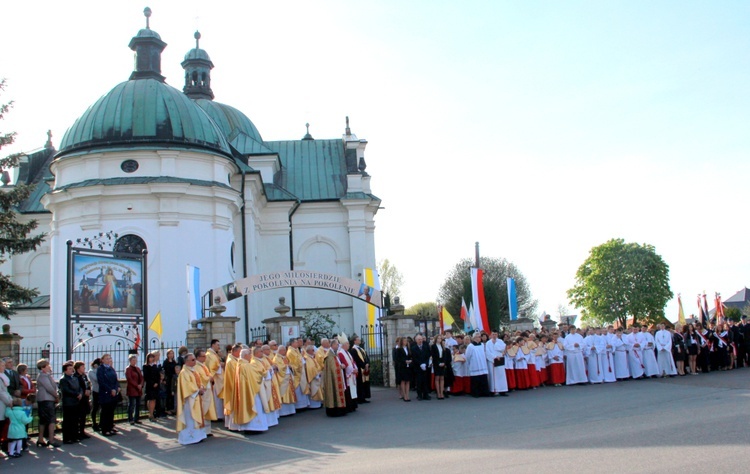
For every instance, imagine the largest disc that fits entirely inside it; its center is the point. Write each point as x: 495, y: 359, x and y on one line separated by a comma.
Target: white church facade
x: 192, y: 181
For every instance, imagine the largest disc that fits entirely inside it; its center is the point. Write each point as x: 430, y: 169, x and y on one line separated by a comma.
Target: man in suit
x: 421, y: 357
x: 14, y: 388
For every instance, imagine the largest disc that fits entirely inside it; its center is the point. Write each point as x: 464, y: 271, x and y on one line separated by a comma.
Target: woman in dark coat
x: 168, y: 367
x: 151, y: 384
x: 109, y: 389
x: 441, y: 360
x: 679, y: 352
x: 403, y: 361
x: 84, y: 404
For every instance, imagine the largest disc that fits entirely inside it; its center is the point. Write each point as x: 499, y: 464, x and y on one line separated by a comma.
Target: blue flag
x: 512, y: 299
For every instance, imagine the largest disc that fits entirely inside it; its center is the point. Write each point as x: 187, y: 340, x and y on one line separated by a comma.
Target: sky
x: 538, y: 129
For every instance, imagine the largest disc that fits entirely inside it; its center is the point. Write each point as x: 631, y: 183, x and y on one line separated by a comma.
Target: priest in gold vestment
x: 189, y: 404
x: 209, y: 408
x: 230, y: 369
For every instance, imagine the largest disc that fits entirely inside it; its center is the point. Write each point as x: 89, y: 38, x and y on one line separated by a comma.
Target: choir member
x: 622, y: 370
x: 495, y: 350
x: 649, y: 357
x: 575, y: 370
x: 476, y: 361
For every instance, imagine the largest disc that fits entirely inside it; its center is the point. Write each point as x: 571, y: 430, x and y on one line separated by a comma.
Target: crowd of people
x: 250, y: 387
x: 254, y: 386
x: 493, y: 364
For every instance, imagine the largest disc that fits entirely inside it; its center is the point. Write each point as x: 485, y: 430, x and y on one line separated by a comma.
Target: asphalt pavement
x: 684, y: 424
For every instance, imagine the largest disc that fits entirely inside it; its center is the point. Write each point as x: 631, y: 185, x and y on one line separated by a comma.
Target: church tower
x: 197, y: 66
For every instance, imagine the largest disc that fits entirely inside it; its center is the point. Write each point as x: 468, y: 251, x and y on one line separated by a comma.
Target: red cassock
x: 522, y: 379
x: 542, y: 376
x: 510, y: 376
x: 533, y: 376
x: 556, y: 373
x: 458, y: 385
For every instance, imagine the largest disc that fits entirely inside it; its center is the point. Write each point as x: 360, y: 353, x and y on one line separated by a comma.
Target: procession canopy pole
x: 476, y: 254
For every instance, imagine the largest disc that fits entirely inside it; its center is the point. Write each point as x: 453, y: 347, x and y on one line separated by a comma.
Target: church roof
x: 739, y: 299
x: 237, y: 128
x: 312, y: 170
x: 34, y: 170
x: 144, y: 111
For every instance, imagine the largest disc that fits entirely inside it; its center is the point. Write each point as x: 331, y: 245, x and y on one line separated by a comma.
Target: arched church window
x: 195, y: 78
x: 130, y: 243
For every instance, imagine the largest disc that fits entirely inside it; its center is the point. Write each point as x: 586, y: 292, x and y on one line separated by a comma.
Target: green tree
x: 735, y: 314
x: 619, y: 280
x: 391, y: 279
x: 429, y: 308
x: 496, y: 272
x: 14, y: 235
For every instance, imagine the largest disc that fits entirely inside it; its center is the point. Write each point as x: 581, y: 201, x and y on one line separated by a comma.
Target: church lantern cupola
x: 148, y: 47
x: 197, y: 66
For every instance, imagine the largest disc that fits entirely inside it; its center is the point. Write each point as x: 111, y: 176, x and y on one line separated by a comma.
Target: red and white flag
x: 477, y: 295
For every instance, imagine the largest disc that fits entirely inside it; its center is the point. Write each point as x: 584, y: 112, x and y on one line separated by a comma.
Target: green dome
x: 197, y: 53
x: 144, y: 112
x: 229, y: 120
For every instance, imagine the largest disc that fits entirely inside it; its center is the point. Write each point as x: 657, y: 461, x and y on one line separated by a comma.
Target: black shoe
x: 83, y: 436
x: 96, y: 428
x: 137, y: 423
x: 70, y: 441
x: 427, y: 398
x: 54, y: 444
x: 39, y: 444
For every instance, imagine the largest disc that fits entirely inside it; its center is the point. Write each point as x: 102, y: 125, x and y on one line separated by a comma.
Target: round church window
x: 129, y: 166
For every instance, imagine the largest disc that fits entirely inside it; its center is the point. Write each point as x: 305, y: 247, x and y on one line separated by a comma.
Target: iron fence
x: 120, y: 350
x: 374, y: 339
x: 258, y: 333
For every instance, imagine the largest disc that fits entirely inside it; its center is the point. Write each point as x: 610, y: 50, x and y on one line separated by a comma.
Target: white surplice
x: 476, y: 360
x: 606, y: 359
x: 592, y: 359
x: 498, y: 380
x: 622, y: 370
x: 649, y: 357
x: 665, y: 361
x: 575, y: 370
x: 191, y: 434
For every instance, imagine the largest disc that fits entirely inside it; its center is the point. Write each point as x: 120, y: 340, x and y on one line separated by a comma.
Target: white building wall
x: 181, y: 224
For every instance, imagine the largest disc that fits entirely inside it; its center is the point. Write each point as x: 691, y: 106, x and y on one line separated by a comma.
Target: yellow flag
x: 156, y: 324
x: 448, y: 320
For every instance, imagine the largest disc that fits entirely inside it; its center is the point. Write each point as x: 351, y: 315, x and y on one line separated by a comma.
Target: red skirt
x: 510, y: 375
x: 522, y: 379
x: 556, y: 373
x: 460, y: 385
x: 542, y: 375
x: 432, y: 382
x: 533, y: 376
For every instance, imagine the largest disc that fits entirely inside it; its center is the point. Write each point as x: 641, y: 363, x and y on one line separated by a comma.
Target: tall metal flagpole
x: 476, y: 254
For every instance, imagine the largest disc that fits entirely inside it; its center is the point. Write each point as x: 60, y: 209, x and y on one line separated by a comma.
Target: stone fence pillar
x: 396, y: 325
x: 10, y: 344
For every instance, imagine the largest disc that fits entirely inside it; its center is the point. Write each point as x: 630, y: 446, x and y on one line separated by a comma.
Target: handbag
x: 118, y: 398
x: 498, y: 362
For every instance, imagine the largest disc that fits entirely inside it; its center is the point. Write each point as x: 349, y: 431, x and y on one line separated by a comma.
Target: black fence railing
x: 119, y: 350
x: 258, y: 333
x: 374, y: 343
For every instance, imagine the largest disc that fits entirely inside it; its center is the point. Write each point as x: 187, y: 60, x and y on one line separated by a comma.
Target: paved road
x: 686, y: 424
